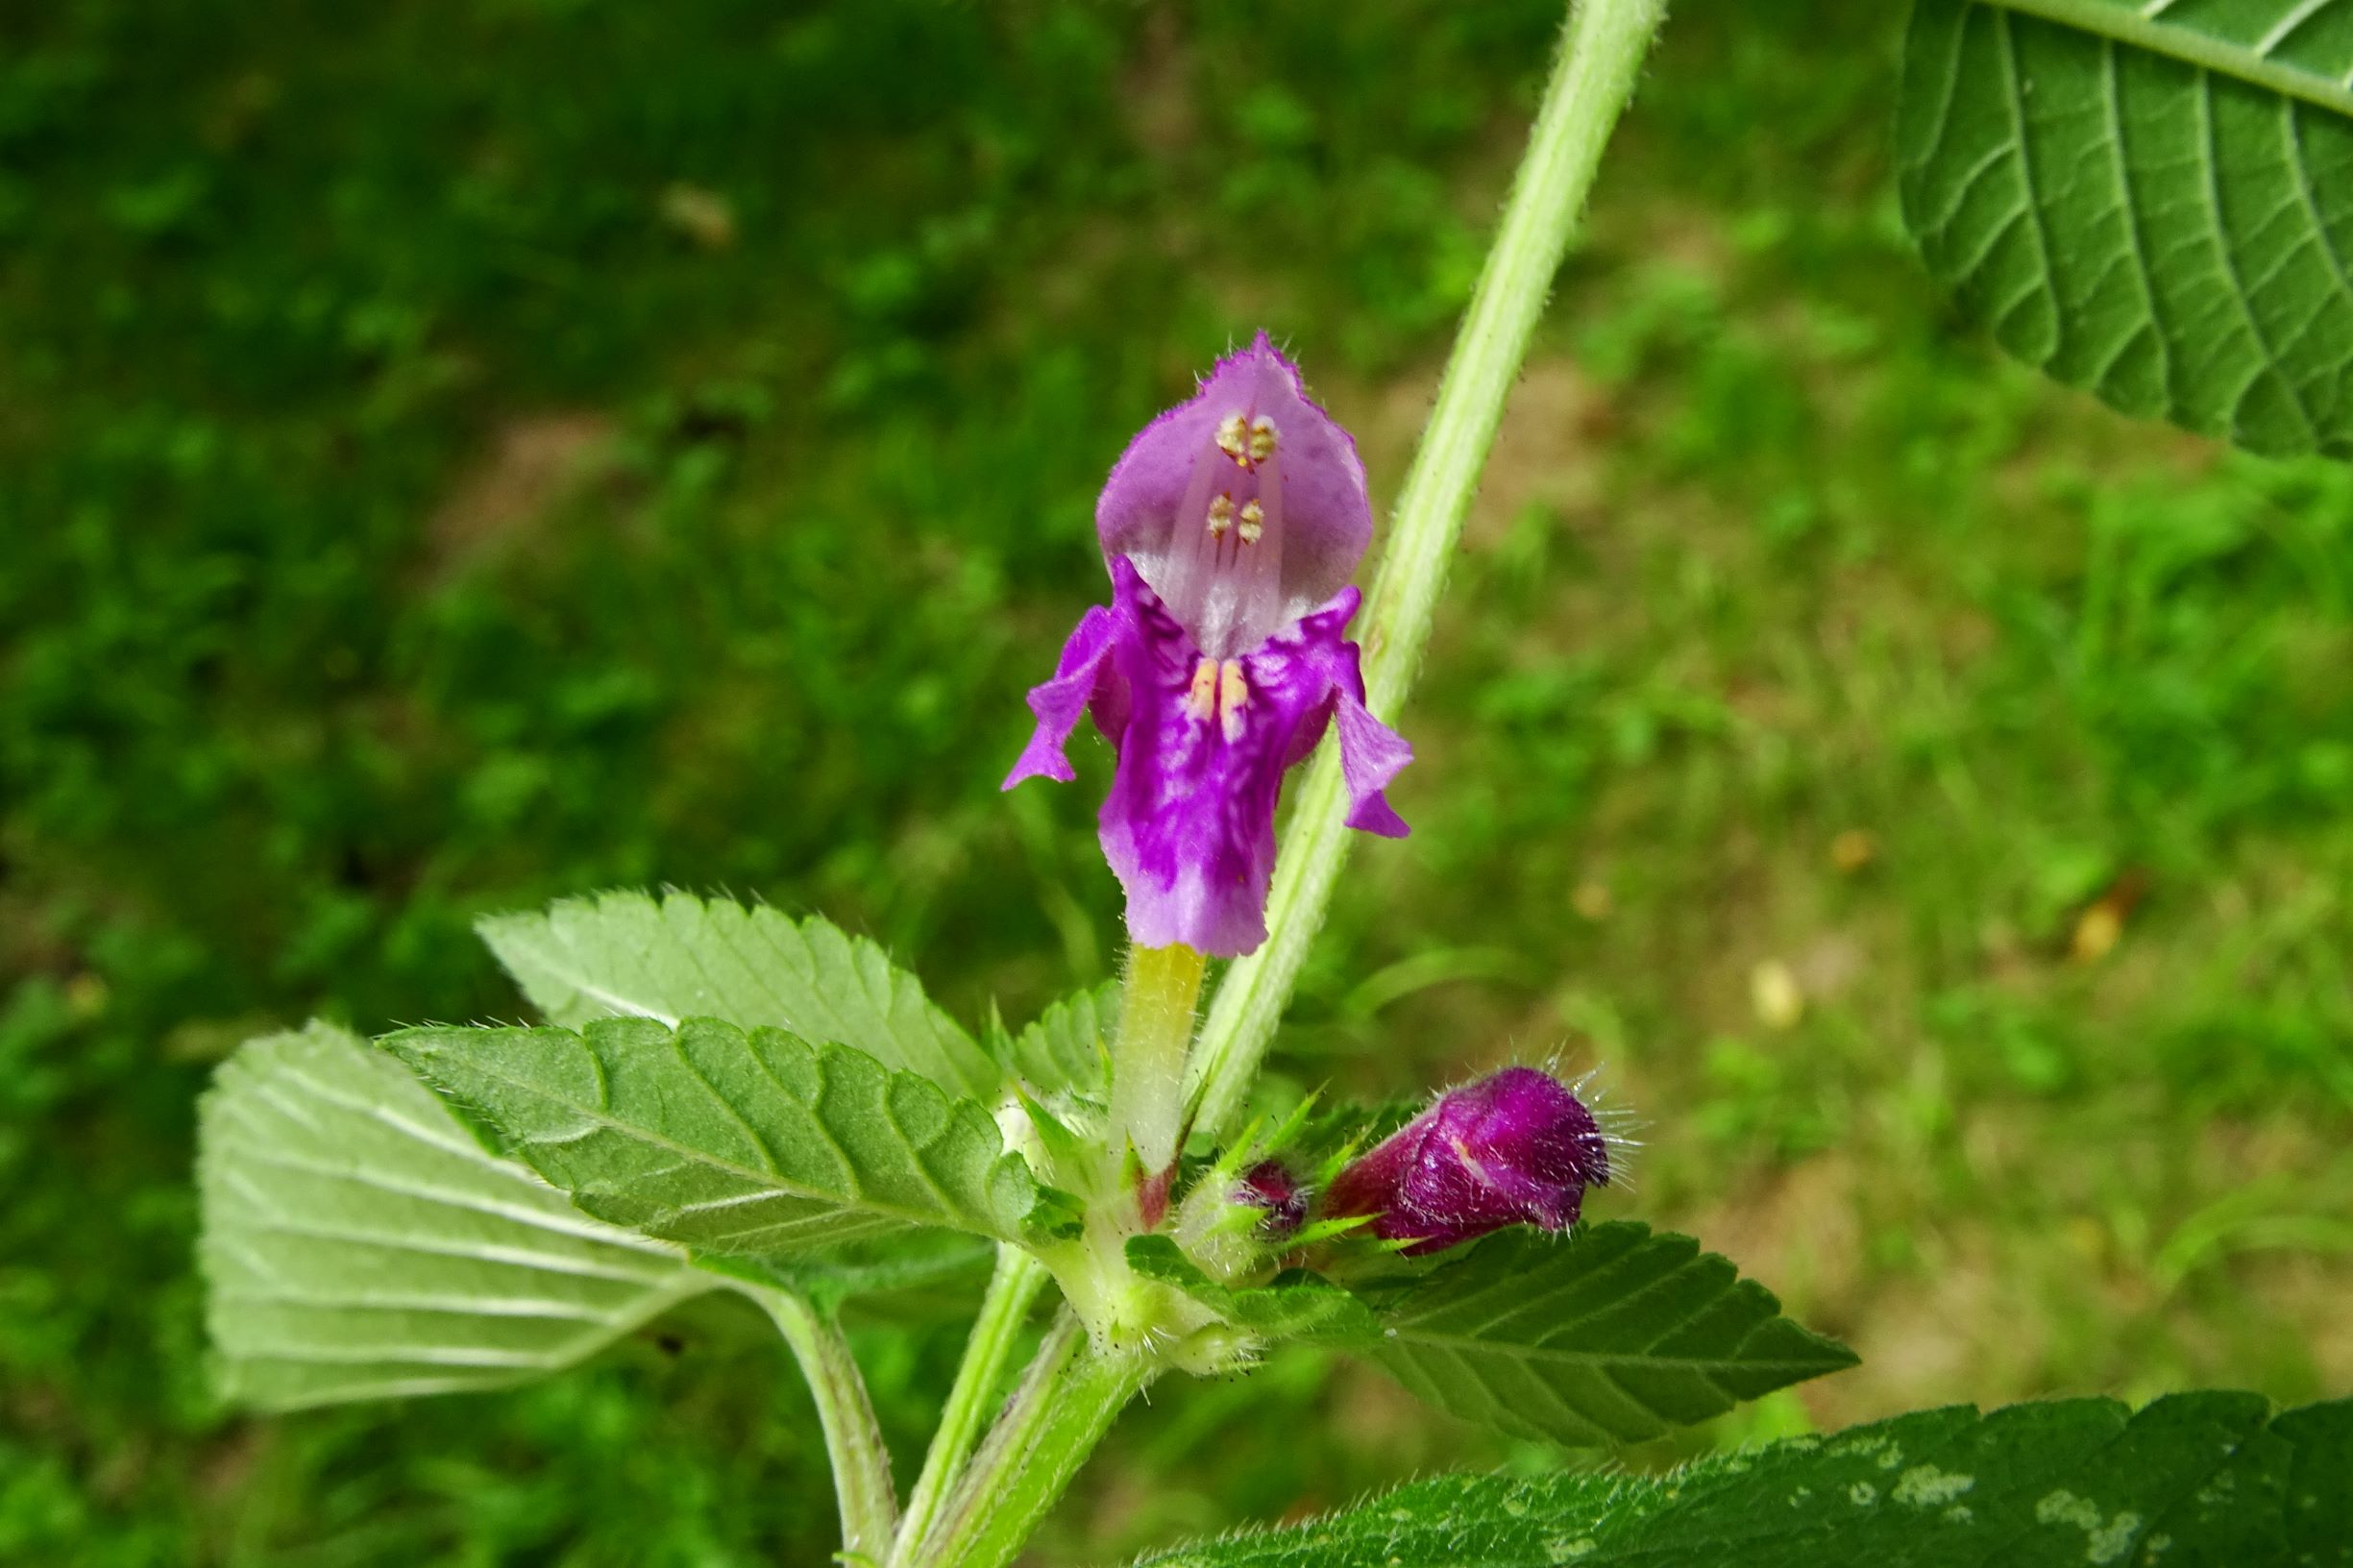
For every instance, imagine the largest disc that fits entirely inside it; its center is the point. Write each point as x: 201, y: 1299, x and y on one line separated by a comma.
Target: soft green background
x: 456, y: 454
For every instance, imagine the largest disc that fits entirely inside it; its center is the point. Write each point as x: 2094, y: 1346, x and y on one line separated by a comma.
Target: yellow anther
x: 1233, y: 695
x: 1254, y: 521
x: 1233, y: 439
x: 1202, y: 699
x: 1261, y: 439
x: 1221, y: 515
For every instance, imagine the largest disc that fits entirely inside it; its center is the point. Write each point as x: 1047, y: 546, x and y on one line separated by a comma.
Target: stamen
x: 1254, y: 521
x: 1261, y: 439
x: 1202, y: 699
x: 1221, y: 514
x: 1233, y: 695
x: 1233, y: 439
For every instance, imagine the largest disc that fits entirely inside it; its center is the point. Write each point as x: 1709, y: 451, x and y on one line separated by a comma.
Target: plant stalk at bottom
x: 1011, y: 1291
x: 853, y: 1438
x: 1067, y: 1400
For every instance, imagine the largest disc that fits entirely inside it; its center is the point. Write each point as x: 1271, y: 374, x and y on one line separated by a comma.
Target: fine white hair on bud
x: 1516, y: 1147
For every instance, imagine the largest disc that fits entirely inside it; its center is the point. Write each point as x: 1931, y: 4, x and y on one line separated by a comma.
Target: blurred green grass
x: 454, y: 455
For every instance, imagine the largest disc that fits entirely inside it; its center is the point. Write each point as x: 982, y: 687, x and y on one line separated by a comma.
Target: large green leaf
x: 2209, y: 1478
x: 1611, y: 1335
x: 626, y: 955
x: 2152, y: 199
x: 358, y: 1243
x: 725, y: 1141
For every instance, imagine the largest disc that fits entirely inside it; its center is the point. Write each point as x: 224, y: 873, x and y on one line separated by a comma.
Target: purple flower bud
x: 1229, y: 528
x: 1513, y: 1148
x: 1270, y: 1186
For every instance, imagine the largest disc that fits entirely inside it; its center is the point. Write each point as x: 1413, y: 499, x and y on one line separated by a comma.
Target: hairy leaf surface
x: 2152, y: 199
x: 2207, y: 1478
x: 359, y: 1244
x: 626, y: 955
x: 1611, y: 1335
x: 1069, y: 1045
x: 725, y: 1141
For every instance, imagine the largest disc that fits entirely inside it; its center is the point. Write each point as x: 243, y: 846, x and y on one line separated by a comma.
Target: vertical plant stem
x: 1067, y: 1400
x: 854, y: 1441
x: 1600, y: 56
x: 1011, y: 1291
x: 1156, y: 1028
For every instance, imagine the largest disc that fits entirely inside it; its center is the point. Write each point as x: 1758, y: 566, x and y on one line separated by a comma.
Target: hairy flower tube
x: 1517, y: 1147
x: 1229, y: 527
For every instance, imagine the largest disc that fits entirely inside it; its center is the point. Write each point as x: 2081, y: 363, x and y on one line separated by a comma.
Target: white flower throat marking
x: 1224, y: 572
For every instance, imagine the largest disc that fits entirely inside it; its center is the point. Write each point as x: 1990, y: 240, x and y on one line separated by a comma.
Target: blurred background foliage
x: 456, y: 454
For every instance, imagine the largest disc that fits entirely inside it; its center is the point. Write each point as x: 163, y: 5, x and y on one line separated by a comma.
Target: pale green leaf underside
x: 626, y: 955
x: 358, y: 1243
x: 2151, y: 200
x: 724, y: 1142
x: 1611, y: 1335
x: 2205, y: 1479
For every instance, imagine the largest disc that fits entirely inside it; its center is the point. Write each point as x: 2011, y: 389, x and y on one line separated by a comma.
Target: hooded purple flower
x: 1516, y: 1147
x: 1229, y: 527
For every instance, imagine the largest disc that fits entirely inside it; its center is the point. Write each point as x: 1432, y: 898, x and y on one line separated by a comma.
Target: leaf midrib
x: 1462, y: 1344
x: 956, y: 1218
x: 569, y: 970
x: 2238, y: 61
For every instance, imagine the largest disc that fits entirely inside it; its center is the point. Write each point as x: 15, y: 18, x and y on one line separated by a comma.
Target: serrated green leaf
x: 1069, y: 1045
x: 626, y: 955
x: 725, y: 1141
x: 2151, y: 201
x: 358, y: 1243
x: 2205, y: 1479
x: 1610, y: 1335
x: 1296, y: 1305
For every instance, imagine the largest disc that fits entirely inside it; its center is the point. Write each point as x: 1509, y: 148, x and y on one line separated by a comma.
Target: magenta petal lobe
x: 1371, y: 754
x: 1058, y: 702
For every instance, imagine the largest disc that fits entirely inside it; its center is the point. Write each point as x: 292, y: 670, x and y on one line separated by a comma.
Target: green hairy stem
x: 1012, y: 1289
x: 1072, y: 1392
x: 854, y: 1441
x: 1593, y: 79
x: 1067, y: 1400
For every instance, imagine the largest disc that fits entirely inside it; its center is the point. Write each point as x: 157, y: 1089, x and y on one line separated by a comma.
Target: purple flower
x: 1270, y: 1186
x: 1516, y: 1147
x: 1229, y: 527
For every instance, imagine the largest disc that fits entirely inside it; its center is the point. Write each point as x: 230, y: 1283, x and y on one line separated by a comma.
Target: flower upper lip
x: 1249, y: 435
